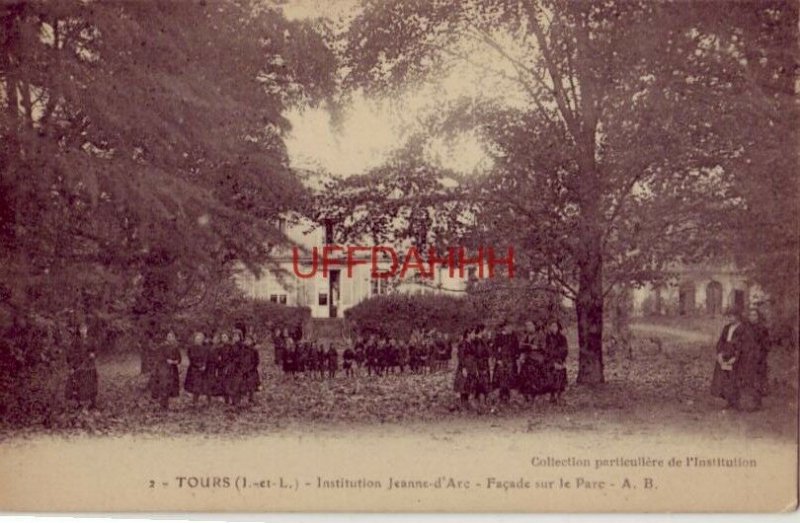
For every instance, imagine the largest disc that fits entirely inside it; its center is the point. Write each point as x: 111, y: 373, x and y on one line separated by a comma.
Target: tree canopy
x: 615, y: 128
x: 143, y: 149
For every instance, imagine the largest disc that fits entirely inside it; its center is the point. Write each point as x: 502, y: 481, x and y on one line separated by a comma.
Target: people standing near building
x: 359, y: 357
x: 442, y: 351
x: 317, y: 359
x: 214, y: 366
x: 233, y: 369
x: 289, y: 357
x: 195, y: 381
x: 166, y: 377
x: 392, y: 364
x: 505, y: 347
x: 348, y: 360
x: 403, y: 355
x: 371, y: 355
x: 465, y: 367
x: 482, y: 377
x: 736, y: 369
x: 279, y: 346
x: 251, y: 382
x: 302, y: 354
x: 82, y: 380
x: 533, y: 376
x: 762, y: 340
x: 555, y: 356
x: 430, y: 350
x: 749, y: 367
x: 332, y: 357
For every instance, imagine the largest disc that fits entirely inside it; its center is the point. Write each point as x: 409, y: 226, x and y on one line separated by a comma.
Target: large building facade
x: 704, y: 289
x: 299, y: 280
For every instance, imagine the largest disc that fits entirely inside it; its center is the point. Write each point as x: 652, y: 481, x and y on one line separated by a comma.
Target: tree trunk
x: 589, y: 309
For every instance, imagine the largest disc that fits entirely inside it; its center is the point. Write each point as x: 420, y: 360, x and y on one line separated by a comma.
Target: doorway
x: 333, y: 293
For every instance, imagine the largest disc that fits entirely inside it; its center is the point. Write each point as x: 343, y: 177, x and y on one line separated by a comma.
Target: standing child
x: 333, y: 361
x: 250, y: 362
x: 347, y: 361
x: 555, y: 353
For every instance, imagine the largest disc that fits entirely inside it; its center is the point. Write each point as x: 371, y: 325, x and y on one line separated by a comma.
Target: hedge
x: 399, y: 314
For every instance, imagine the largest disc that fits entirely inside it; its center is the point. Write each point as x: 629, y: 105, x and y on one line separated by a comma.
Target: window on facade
x: 280, y: 224
x: 323, y: 298
x: 282, y: 299
x: 273, y: 298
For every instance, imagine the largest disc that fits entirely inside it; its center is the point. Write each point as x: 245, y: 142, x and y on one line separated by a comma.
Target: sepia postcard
x: 399, y: 256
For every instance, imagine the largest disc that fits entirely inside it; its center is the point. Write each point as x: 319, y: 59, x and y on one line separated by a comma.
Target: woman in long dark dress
x: 82, y: 379
x: 332, y: 360
x: 533, y: 377
x: 214, y: 365
x: 234, y: 368
x: 736, y: 370
x: 251, y: 381
x: 464, y: 366
x: 749, y: 367
x: 279, y: 342
x: 762, y: 340
x: 166, y: 378
x: 555, y: 354
x: 289, y: 353
x: 482, y: 377
x: 506, y: 350
x: 195, y: 381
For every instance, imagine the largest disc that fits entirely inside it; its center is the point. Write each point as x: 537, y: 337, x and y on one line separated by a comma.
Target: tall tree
x: 142, y: 148
x: 612, y: 148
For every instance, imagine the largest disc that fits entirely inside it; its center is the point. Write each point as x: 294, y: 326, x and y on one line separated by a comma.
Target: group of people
x: 533, y: 363
x: 227, y: 365
x: 220, y: 366
x: 423, y: 351
x: 740, y: 370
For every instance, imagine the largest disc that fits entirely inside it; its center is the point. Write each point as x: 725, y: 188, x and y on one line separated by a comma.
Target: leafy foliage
x: 617, y: 142
x: 142, y: 155
x: 400, y: 314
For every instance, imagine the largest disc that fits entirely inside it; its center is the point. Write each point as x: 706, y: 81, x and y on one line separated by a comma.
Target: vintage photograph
x: 399, y: 255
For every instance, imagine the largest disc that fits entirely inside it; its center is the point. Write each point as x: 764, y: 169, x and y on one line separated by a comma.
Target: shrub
x: 261, y: 318
x: 399, y: 314
x: 516, y: 302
